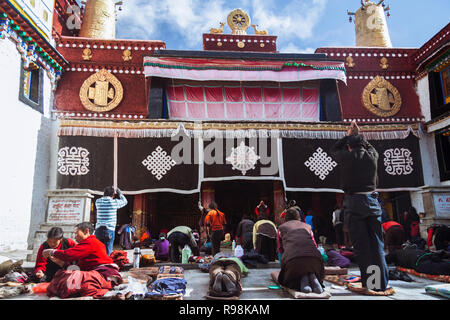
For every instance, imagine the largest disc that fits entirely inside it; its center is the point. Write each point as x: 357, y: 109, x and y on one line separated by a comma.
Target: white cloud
x: 292, y: 48
x: 187, y: 20
x: 294, y: 21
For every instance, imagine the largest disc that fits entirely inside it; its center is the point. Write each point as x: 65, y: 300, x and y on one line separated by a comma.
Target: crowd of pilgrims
x: 295, y: 242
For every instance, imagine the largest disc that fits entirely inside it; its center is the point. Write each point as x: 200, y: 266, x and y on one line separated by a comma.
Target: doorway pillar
x: 139, y: 219
x: 279, y: 202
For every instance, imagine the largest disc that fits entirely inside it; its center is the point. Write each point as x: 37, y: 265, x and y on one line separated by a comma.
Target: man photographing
x: 358, y: 169
x: 107, y: 208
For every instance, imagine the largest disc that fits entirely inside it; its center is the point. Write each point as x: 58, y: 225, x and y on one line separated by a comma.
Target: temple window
x: 31, y: 90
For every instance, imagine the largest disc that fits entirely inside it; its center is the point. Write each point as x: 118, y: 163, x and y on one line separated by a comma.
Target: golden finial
x: 99, y: 19
x: 370, y: 24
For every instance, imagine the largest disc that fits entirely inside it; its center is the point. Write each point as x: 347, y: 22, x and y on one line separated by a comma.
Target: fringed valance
x: 230, y: 130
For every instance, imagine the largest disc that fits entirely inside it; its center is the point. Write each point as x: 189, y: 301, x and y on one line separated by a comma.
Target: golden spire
x: 99, y: 19
x: 370, y: 24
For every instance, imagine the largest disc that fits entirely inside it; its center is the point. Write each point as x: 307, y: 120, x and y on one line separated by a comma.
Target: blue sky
x: 301, y: 25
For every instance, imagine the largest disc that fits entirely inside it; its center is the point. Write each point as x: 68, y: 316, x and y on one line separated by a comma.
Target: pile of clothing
x: 169, y: 284
x: 77, y: 283
x: 200, y: 259
x: 120, y: 258
x: 252, y: 258
x: 335, y: 259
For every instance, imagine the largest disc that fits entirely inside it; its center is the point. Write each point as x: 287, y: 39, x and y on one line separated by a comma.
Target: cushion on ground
x: 299, y: 294
x: 358, y: 288
x: 440, y: 289
x: 335, y: 270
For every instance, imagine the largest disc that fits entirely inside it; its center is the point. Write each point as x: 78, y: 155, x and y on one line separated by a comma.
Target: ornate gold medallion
x: 101, y: 92
x: 381, y: 98
x: 238, y: 21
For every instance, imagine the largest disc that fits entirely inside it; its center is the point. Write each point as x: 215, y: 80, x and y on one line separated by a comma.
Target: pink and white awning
x: 204, y: 69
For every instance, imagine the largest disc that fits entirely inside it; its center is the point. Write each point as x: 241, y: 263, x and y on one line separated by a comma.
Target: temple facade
x: 236, y: 123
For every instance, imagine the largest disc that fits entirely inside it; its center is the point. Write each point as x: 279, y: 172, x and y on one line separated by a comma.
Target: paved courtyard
x: 255, y: 285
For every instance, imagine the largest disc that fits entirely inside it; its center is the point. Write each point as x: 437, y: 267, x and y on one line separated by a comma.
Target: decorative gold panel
x: 381, y: 98
x: 101, y: 92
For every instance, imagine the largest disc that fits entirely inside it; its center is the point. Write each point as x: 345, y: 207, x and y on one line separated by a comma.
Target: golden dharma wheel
x: 238, y: 21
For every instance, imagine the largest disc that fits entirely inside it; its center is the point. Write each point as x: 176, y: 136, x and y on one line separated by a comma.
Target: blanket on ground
x: 441, y: 278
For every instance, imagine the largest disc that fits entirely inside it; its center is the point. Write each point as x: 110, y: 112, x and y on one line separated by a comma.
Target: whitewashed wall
x: 25, y: 137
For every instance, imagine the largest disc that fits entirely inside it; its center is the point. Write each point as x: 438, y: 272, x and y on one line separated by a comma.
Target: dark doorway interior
x: 234, y: 198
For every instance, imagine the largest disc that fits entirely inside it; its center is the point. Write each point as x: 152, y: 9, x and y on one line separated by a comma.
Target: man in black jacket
x: 358, y: 169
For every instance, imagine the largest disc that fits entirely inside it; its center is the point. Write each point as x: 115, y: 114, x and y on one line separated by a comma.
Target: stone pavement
x: 255, y: 285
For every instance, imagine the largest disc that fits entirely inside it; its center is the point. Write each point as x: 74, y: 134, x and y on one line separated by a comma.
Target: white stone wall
x: 423, y: 91
x: 25, y: 137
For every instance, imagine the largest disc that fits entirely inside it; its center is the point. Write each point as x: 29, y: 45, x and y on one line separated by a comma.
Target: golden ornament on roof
x: 238, y: 21
x: 218, y: 31
x: 259, y: 32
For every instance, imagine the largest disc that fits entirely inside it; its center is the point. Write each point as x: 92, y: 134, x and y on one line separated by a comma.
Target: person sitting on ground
x: 394, y: 235
x: 45, y: 269
x: 302, y: 267
x: 89, y: 253
x: 162, y: 248
x: 265, y: 238
x: 178, y: 238
x: 244, y: 233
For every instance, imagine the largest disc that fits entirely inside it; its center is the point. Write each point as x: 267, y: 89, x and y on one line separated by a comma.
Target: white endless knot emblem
x: 243, y: 158
x: 73, y: 161
x: 398, y: 161
x: 320, y: 163
x: 159, y: 163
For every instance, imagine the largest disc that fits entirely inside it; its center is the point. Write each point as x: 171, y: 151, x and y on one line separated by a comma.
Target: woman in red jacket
x: 90, y: 253
x: 45, y: 269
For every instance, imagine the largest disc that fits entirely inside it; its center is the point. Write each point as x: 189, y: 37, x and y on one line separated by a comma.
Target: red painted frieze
x: 122, y: 58
x: 364, y: 64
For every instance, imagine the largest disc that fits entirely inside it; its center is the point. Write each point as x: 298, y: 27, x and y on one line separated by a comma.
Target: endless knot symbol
x: 159, y: 163
x: 73, y: 161
x: 243, y: 158
x: 320, y: 163
x: 398, y: 161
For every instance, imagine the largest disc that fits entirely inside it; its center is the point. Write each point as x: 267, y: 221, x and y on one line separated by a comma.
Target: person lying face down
x: 89, y: 253
x: 45, y: 268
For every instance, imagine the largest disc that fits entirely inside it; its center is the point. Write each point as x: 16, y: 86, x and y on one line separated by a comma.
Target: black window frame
x: 442, y: 153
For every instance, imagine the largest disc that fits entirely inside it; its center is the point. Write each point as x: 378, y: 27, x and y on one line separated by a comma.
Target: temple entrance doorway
x: 237, y: 197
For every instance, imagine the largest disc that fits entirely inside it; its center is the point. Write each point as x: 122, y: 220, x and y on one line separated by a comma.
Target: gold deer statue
x: 260, y: 32
x: 220, y: 30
